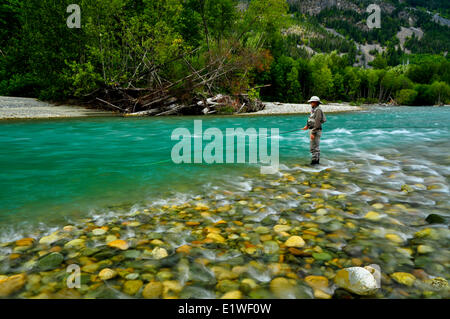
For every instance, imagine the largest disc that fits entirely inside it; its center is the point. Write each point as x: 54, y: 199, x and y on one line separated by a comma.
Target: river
x: 390, y: 161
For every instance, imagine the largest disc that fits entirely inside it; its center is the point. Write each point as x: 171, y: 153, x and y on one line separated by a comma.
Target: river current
x: 383, y: 171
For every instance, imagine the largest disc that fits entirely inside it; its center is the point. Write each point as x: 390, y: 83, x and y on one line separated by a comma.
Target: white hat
x: 314, y: 99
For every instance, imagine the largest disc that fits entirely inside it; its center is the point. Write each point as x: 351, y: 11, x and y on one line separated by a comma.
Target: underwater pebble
x: 424, y: 249
x: 232, y: 295
x: 107, y: 274
x: 131, y: 287
x: 153, y: 290
x: 50, y: 239
x: 295, y: 241
x: 404, y: 278
x: 12, y: 284
x: 357, y: 280
x: 119, y: 244
x: 50, y: 261
x: 99, y: 231
x: 374, y: 216
x: 159, y: 253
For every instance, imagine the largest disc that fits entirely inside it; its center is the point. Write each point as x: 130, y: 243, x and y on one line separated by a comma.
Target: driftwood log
x: 219, y: 104
x: 194, y: 93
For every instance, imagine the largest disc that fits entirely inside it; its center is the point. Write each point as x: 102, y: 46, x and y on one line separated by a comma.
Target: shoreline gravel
x: 291, y: 108
x: 29, y: 108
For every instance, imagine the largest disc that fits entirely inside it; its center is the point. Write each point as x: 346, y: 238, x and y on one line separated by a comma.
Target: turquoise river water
x: 60, y: 172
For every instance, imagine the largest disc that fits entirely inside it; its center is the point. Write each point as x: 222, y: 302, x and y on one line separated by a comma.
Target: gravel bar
x: 287, y: 108
x: 29, y: 108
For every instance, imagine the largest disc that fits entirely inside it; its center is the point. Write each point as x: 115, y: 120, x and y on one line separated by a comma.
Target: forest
x: 129, y: 55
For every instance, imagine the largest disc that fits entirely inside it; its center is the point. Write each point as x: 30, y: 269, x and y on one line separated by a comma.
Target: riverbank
x: 273, y: 108
x: 29, y: 108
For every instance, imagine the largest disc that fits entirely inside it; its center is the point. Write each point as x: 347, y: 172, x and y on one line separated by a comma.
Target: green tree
x: 406, y: 97
x: 352, y: 82
x: 379, y: 62
x: 338, y: 86
x: 266, y: 16
x: 440, y: 92
x: 123, y: 49
x: 222, y: 15
x: 323, y: 82
x: 372, y: 79
x: 294, y: 93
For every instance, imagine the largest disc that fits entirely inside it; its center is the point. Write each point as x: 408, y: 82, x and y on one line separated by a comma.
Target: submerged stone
x: 50, y: 239
x: 106, y: 274
x: 185, y: 249
x: 356, y: 280
x: 216, y: 237
x: 281, y: 287
x: 76, y: 243
x: 271, y: 247
x: 437, y: 283
x: 248, y: 284
x: 394, y: 238
x: 404, y: 278
x: 236, y: 294
x: 159, y: 253
x: 132, y: 254
x: 132, y: 276
x: 378, y: 206
x: 153, y: 290
x: 424, y: 249
x: 295, y: 241
x: 322, y: 256
x: 98, y: 232
x: 407, y: 189
x: 317, y: 282
x: 119, y: 244
x: 50, y: 261
x: 281, y: 228
x: 435, y: 219
x: 12, y: 284
x: 24, y: 242
x: 227, y: 285
x: 426, y: 233
x: 131, y: 287
x: 320, y: 294
x: 374, y: 216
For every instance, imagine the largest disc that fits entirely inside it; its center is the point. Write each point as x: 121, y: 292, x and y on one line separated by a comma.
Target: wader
x: 315, y: 121
x: 315, y: 146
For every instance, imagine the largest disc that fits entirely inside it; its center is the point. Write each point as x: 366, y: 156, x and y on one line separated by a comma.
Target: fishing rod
x: 291, y: 131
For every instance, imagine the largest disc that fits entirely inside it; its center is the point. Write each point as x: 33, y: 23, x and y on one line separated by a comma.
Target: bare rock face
x: 314, y: 7
x: 405, y: 33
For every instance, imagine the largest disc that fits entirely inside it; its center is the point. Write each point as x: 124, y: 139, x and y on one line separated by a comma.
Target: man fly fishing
x: 314, y: 124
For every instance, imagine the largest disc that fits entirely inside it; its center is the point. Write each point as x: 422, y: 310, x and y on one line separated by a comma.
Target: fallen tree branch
x: 110, y: 104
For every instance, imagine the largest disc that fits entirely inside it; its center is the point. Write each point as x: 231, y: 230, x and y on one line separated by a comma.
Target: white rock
x: 50, y: 239
x: 159, y: 253
x: 357, y: 280
x: 99, y: 231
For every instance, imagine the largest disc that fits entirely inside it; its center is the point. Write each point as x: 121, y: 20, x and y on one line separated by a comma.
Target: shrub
x: 406, y: 97
x: 225, y: 110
